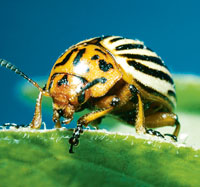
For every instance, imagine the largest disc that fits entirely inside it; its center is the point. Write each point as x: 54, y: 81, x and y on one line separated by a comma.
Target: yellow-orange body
x: 110, y: 75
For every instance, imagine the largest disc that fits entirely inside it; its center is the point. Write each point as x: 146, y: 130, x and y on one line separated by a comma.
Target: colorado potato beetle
x: 108, y: 75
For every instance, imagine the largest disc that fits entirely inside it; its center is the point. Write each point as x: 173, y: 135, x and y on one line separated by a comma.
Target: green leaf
x: 102, y: 159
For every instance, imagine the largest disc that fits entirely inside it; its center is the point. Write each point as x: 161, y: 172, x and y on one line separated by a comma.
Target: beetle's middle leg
x: 140, y: 120
x: 158, y: 119
x: 107, y: 104
x: 37, y: 118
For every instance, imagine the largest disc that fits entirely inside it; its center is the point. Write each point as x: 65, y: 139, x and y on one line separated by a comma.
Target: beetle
x: 108, y: 75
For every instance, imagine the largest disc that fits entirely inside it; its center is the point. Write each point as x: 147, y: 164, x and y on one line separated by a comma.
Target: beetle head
x: 66, y: 92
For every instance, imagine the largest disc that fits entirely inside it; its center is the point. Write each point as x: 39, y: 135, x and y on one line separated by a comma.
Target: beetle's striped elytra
x: 109, y: 75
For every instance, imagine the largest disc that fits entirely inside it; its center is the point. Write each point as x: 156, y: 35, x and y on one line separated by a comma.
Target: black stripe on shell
x: 95, y: 57
x: 156, y: 60
x: 100, y: 51
x: 154, y: 92
x: 116, y: 39
x: 130, y: 46
x: 147, y: 70
x: 171, y: 93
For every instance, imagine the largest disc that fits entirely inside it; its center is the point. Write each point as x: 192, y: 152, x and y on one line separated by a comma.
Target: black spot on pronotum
x: 95, y: 57
x: 79, y: 56
x: 100, y: 51
x: 63, y: 81
x: 64, y: 61
x: 94, y: 82
x: 104, y: 66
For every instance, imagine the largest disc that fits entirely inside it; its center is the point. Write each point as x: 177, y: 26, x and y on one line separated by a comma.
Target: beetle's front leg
x: 84, y: 121
x: 37, y: 118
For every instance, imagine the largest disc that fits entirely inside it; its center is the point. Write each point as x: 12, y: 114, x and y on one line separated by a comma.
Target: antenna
x: 12, y: 67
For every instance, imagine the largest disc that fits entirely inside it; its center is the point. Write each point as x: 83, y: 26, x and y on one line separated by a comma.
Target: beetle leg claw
x: 14, y: 125
x: 153, y: 132
x: 156, y: 133
x: 172, y: 136
x: 74, y: 140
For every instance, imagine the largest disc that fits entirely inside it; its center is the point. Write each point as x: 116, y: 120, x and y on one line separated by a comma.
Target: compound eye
x: 62, y: 81
x: 60, y: 112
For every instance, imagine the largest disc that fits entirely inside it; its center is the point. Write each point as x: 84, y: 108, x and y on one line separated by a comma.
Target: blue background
x: 34, y: 33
